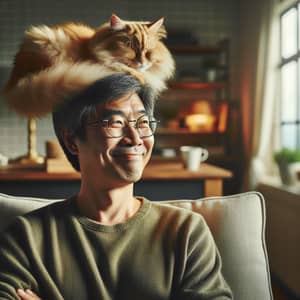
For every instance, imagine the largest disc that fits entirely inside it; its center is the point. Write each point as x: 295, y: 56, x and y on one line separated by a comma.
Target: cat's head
x: 135, y: 44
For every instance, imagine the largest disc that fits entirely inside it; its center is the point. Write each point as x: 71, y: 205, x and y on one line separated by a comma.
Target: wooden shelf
x: 184, y: 131
x: 195, y: 49
x: 198, y: 85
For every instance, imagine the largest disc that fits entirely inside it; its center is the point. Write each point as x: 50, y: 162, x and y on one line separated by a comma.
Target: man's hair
x: 73, y: 115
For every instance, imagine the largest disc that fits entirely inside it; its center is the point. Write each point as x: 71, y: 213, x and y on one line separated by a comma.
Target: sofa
x: 237, y: 223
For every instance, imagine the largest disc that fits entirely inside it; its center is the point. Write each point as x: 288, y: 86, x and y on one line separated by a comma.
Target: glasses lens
x: 146, y: 125
x: 116, y: 125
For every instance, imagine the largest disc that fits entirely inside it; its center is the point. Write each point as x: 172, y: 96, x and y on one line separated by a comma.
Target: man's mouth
x: 129, y: 152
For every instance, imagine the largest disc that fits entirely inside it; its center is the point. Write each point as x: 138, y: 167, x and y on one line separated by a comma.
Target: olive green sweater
x: 162, y: 252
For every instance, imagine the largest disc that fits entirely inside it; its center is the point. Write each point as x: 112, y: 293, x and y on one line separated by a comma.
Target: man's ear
x: 69, y: 141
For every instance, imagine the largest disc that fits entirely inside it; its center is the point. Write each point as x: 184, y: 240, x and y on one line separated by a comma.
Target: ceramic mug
x: 193, y: 156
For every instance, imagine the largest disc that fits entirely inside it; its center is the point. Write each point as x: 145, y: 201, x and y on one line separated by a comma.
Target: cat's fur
x: 54, y: 62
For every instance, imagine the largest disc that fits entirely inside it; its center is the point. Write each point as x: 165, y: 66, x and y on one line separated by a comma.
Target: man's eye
x: 144, y: 122
x: 116, y: 123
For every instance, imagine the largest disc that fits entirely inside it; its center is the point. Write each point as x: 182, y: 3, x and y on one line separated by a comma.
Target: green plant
x: 287, y: 156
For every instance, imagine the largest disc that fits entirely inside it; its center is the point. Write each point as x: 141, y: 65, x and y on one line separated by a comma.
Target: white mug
x: 193, y: 156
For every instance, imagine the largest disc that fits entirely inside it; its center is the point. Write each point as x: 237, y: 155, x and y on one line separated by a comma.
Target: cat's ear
x: 155, y: 26
x: 116, y: 23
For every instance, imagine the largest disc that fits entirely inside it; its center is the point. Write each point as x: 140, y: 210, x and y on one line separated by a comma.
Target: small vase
x: 288, y: 173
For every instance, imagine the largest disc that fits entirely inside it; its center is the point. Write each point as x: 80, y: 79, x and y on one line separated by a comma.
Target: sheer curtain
x: 259, y: 86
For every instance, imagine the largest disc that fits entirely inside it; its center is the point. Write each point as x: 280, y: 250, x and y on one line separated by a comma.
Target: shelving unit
x: 190, y: 86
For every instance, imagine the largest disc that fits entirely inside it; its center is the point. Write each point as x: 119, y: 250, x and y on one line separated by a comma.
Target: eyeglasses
x: 116, y: 125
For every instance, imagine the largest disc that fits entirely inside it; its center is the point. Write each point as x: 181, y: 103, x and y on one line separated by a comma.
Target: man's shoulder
x: 175, y: 207
x: 174, y: 213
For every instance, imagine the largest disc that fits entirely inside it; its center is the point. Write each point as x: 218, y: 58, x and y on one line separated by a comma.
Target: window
x: 290, y: 77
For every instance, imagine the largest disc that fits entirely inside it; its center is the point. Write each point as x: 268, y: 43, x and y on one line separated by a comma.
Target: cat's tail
x: 52, y: 42
x: 39, y: 94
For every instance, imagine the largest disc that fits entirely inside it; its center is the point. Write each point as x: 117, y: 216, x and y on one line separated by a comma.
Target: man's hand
x: 27, y: 295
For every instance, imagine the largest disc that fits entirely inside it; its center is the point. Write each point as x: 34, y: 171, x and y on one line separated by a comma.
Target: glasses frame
x: 104, y: 124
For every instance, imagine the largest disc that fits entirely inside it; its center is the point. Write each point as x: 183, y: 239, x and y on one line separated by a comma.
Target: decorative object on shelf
x: 288, y: 162
x: 210, y: 68
x: 168, y: 152
x: 32, y: 158
x: 222, y: 117
x: 56, y: 161
x: 54, y: 150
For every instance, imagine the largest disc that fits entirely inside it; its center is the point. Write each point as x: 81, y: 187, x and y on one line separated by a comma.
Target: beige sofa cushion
x: 237, y: 223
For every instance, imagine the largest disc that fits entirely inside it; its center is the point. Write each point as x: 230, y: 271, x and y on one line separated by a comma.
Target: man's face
x: 115, y: 161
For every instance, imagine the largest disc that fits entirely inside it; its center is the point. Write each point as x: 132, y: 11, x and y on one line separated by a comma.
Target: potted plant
x: 288, y: 162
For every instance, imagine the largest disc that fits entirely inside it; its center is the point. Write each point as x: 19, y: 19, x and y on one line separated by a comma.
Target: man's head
x: 79, y: 125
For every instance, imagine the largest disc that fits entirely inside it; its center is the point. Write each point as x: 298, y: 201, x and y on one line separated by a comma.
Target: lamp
x: 201, y: 117
x: 31, y: 159
x: 205, y: 116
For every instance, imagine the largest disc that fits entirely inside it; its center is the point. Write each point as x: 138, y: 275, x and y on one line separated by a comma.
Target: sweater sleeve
x: 201, y: 274
x: 14, y: 264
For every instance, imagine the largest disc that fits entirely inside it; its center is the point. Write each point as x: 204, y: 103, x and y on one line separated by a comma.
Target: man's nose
x: 132, y: 135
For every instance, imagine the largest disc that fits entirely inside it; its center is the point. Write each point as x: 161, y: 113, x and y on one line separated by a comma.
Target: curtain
x: 259, y: 87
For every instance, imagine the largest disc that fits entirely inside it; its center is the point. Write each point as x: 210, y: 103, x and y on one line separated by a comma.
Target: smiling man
x: 105, y: 242
x: 113, y: 153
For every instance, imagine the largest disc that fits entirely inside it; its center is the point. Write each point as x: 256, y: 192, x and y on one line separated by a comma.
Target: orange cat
x: 116, y: 46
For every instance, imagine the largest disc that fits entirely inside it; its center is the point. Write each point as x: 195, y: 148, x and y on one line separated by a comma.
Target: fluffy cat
x: 61, y: 59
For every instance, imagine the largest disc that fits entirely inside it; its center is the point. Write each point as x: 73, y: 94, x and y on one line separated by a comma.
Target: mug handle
x: 204, y: 155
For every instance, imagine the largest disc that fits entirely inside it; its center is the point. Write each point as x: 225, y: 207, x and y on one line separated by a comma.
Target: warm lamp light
x: 204, y: 116
x: 201, y: 107
x: 200, y: 122
x: 201, y: 117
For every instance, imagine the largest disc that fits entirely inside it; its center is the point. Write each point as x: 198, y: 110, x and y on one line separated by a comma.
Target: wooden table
x: 212, y: 176
x: 158, y: 174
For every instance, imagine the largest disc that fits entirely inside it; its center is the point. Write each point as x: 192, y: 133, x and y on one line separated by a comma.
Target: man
x: 105, y: 243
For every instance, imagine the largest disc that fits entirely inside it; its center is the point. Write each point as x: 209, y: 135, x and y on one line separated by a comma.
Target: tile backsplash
x: 210, y: 21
